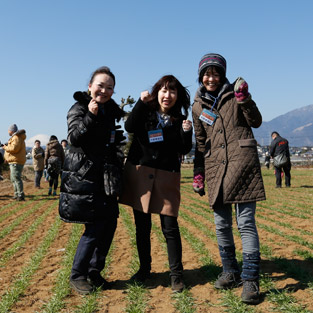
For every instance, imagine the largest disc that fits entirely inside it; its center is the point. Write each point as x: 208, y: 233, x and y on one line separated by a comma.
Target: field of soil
x: 36, y: 252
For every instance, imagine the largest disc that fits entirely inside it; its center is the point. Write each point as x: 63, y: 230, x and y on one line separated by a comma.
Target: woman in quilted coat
x: 226, y: 157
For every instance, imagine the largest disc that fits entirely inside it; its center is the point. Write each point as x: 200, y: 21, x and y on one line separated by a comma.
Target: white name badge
x: 207, y: 117
x: 155, y: 135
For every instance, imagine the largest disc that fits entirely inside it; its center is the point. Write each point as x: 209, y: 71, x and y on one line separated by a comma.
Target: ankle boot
x: 230, y: 277
x: 251, y: 292
x: 177, y: 283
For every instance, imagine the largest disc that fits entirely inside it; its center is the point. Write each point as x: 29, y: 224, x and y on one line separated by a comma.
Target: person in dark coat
x: 152, y: 171
x: 88, y: 194
x: 226, y: 157
x: 54, y: 159
x: 280, y: 145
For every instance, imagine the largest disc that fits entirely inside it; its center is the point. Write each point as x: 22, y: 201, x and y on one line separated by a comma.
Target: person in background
x: 64, y: 144
x: 152, y: 171
x: 54, y: 159
x: 85, y: 197
x: 1, y: 161
x: 280, y: 145
x: 15, y: 155
x: 38, y: 155
x: 227, y: 158
x: 267, y: 160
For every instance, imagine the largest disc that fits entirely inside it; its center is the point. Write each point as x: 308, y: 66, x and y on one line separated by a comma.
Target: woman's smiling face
x: 211, y: 79
x: 102, y: 88
x: 167, y: 98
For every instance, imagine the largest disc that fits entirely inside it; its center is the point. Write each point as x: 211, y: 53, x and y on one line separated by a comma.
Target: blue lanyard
x: 215, y: 100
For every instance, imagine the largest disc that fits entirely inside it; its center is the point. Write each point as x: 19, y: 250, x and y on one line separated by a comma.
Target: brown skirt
x: 151, y: 190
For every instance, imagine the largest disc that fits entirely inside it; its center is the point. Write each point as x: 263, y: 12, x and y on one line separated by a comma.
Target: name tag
x: 155, y: 135
x: 208, y: 117
x: 112, y: 138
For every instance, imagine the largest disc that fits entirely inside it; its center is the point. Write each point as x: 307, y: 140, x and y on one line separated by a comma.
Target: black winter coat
x: 278, y: 146
x: 163, y: 155
x: 82, y: 197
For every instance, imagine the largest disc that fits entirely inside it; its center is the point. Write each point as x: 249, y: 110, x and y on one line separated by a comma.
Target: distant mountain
x: 296, y: 126
x: 44, y: 139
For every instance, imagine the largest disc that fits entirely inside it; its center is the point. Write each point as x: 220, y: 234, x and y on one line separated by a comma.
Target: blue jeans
x: 245, y: 218
x: 16, y: 179
x: 93, y: 248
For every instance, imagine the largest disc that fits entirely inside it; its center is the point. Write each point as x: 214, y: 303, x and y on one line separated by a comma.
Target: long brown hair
x: 183, y: 96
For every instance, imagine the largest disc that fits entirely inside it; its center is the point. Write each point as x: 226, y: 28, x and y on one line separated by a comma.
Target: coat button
x: 223, y: 146
x: 224, y: 162
x: 220, y: 131
x: 151, y: 176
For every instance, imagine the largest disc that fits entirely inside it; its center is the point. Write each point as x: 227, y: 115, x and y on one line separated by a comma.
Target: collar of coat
x: 19, y: 133
x: 205, y: 95
x: 84, y: 98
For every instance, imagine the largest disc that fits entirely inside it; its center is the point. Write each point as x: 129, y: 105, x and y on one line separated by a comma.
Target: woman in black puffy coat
x: 88, y: 195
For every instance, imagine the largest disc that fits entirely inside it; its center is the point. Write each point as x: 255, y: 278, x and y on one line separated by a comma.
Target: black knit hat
x: 212, y: 59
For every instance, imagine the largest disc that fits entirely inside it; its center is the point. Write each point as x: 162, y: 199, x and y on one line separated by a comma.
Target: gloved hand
x: 241, y: 90
x: 198, y: 184
x: 119, y: 137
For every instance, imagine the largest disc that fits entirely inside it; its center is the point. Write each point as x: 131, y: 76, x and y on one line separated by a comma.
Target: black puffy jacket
x: 92, y: 145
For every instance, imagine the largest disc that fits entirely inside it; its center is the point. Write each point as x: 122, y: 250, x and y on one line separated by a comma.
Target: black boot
x: 141, y: 276
x: 250, y: 277
x: 97, y: 280
x: 230, y: 277
x: 227, y: 280
x: 251, y: 292
x: 177, y: 283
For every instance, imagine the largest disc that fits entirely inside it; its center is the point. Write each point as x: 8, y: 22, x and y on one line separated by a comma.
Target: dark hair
x: 37, y: 141
x: 52, y: 137
x: 183, y: 97
x: 102, y: 70
x: 64, y: 140
x: 218, y: 69
x: 275, y: 133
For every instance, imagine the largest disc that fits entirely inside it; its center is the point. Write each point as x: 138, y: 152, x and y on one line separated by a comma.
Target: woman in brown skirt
x: 162, y: 134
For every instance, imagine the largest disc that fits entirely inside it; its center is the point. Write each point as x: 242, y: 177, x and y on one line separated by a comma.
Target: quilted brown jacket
x: 228, y: 150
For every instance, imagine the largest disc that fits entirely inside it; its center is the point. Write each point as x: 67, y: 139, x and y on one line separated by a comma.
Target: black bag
x: 112, y: 180
x: 54, y: 166
x: 280, y: 160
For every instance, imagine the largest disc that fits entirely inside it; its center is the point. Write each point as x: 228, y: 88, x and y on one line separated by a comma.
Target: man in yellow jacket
x: 15, y: 155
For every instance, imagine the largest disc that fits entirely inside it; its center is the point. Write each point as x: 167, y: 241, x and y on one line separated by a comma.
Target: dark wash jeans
x: 171, y: 233
x: 38, y: 175
x: 93, y: 248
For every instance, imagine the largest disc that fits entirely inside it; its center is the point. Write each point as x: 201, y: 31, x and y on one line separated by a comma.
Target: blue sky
x: 50, y: 48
